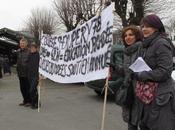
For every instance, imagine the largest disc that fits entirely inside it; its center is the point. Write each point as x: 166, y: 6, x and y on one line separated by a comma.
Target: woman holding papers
x: 131, y: 37
x: 159, y: 112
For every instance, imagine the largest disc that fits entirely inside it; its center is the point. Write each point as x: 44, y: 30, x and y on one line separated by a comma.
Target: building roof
x: 14, y: 35
x: 9, y: 39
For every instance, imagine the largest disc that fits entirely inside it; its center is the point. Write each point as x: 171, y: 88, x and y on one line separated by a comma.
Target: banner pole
x: 105, y: 100
x: 105, y: 96
x: 39, y: 84
x: 39, y: 94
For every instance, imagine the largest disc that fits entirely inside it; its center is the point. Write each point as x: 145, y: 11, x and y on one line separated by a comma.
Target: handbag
x: 124, y: 96
x: 145, y: 91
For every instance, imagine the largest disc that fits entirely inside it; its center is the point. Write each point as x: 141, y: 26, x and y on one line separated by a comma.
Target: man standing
x: 33, y: 74
x: 22, y: 57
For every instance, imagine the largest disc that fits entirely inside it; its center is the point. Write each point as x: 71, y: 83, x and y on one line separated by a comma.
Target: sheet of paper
x: 139, y: 65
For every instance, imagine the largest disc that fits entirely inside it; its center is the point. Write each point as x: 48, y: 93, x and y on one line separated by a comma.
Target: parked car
x: 115, y: 80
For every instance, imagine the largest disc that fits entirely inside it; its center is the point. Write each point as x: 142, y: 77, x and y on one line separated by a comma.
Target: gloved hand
x: 140, y: 76
x: 117, y: 68
x: 111, y: 65
x: 136, y: 75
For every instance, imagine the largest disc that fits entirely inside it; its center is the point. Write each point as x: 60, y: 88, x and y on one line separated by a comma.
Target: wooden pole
x: 105, y: 100
x: 105, y: 95
x: 39, y: 94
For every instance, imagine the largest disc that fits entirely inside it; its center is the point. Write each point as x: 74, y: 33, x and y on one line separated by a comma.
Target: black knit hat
x: 154, y: 21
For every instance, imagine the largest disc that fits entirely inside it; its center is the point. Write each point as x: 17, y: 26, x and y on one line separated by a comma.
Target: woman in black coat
x: 159, y: 114
x: 131, y: 37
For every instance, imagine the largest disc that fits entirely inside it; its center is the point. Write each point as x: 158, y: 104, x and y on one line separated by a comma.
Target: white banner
x: 79, y: 55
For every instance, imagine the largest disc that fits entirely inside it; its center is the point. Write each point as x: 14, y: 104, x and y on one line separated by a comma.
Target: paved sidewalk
x: 64, y: 107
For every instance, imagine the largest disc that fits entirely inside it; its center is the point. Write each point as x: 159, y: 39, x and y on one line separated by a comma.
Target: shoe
x: 27, y: 105
x: 22, y: 104
x: 34, y: 107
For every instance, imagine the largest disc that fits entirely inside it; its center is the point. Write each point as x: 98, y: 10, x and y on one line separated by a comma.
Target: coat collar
x: 132, y: 48
x: 149, y: 40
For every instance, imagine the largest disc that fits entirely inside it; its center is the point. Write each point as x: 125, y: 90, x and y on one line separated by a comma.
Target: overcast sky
x: 13, y: 13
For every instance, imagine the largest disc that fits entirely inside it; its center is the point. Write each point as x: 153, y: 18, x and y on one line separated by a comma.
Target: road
x: 63, y: 107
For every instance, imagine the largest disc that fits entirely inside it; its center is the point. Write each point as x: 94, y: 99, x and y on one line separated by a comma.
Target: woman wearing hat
x: 157, y: 52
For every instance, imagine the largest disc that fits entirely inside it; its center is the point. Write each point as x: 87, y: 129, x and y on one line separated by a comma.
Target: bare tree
x: 64, y: 11
x: 155, y: 6
x: 41, y: 20
x: 72, y: 12
x: 162, y: 8
x: 172, y: 26
x: 130, y: 11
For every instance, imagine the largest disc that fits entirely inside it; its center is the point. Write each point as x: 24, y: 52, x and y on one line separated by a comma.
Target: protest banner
x: 81, y: 54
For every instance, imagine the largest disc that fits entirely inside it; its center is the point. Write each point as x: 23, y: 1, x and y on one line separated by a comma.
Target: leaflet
x: 139, y: 65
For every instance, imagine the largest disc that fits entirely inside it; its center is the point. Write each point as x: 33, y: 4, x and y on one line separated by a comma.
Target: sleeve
x: 119, y: 69
x: 163, y: 67
x: 38, y: 58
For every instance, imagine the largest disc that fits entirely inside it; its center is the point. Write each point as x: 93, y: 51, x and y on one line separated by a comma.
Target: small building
x: 9, y: 40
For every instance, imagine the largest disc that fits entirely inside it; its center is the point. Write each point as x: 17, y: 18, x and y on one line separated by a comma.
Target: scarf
x: 148, y: 41
x: 129, y: 50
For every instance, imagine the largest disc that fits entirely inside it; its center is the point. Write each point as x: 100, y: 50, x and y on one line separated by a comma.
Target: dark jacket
x: 130, y: 55
x: 22, y: 57
x: 157, y: 53
x: 33, y: 65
